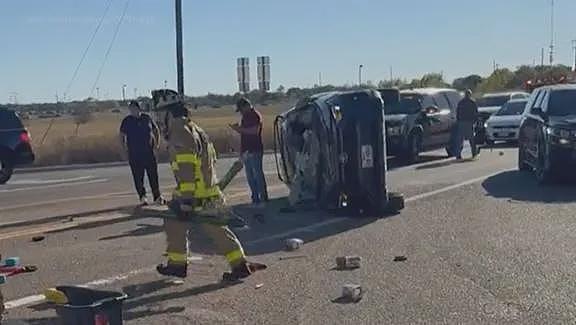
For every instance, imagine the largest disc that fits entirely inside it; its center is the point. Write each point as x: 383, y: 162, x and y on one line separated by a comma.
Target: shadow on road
x: 396, y: 162
x: 143, y: 230
x: 522, y: 186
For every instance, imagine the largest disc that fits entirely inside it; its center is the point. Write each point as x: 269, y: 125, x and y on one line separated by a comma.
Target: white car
x: 504, y: 124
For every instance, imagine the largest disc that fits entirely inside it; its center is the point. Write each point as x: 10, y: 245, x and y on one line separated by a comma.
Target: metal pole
x: 574, y: 48
x: 123, y: 93
x: 179, y: 55
x: 542, y: 58
x: 552, y: 34
x: 360, y: 75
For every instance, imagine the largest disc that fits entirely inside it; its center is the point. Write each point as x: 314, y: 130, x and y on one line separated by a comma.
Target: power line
x: 75, y: 74
x: 110, y: 47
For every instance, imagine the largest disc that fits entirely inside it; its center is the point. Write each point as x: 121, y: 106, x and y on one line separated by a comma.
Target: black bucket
x: 90, y: 307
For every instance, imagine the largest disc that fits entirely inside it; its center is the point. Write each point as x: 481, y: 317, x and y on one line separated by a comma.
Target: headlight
x: 485, y: 125
x: 558, y: 132
x: 395, y: 130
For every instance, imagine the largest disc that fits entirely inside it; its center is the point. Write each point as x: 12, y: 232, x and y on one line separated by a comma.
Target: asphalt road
x: 484, y: 245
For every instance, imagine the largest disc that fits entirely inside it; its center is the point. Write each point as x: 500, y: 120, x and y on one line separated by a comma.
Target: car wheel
x: 522, y: 165
x: 6, y: 171
x: 543, y: 170
x: 395, y: 202
x: 414, y: 147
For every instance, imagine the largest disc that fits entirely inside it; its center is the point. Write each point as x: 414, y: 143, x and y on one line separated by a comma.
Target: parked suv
x: 15, y: 148
x: 547, y: 136
x: 491, y: 103
x: 420, y: 119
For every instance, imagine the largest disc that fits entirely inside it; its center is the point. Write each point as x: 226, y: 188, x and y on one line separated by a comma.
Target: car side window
x: 427, y: 101
x: 441, y: 101
x: 453, y: 98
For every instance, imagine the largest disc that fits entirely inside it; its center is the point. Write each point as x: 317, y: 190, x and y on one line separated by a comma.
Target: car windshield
x: 490, y: 101
x: 9, y: 120
x: 562, y: 102
x: 512, y: 108
x: 408, y: 104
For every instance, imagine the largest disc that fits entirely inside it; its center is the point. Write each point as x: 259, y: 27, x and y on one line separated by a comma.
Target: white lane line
x: 20, y: 189
x: 39, y: 298
x: 48, y: 181
x: 453, y: 187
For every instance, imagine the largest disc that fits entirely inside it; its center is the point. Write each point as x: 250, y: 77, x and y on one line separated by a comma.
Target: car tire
x: 412, y: 152
x: 395, y: 202
x: 522, y: 165
x: 543, y: 170
x: 6, y: 171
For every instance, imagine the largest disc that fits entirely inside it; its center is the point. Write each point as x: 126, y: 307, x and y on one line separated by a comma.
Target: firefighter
x: 198, y: 203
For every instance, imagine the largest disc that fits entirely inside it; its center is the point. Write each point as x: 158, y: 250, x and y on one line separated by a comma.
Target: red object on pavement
x: 15, y: 270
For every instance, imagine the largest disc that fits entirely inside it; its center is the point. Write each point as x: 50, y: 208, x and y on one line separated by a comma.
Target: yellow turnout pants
x: 202, y: 237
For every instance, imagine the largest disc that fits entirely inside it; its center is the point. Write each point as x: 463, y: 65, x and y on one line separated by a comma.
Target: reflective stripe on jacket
x: 193, y: 161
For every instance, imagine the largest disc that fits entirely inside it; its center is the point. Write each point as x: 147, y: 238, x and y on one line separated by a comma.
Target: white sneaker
x: 143, y: 201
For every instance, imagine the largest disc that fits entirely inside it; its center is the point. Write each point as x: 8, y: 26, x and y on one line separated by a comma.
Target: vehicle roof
x: 426, y: 91
x: 504, y: 93
x: 559, y: 87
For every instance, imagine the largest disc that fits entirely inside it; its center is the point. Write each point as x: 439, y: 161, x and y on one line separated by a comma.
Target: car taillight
x: 25, y: 137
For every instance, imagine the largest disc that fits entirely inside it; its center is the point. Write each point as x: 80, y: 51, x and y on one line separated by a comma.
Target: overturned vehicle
x: 331, y: 151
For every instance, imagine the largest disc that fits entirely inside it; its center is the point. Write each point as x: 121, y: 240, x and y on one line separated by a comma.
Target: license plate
x: 367, y: 156
x: 503, y: 135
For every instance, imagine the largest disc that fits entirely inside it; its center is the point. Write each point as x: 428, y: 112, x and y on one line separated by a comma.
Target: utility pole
x: 542, y: 59
x: 493, y: 65
x: 97, y: 93
x: 360, y: 75
x: 574, y: 49
x: 552, y: 33
x: 124, y: 93
x: 320, y: 79
x: 165, y: 84
x: 391, y: 76
x: 179, y: 54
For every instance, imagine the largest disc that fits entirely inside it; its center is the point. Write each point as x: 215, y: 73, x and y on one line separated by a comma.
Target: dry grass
x: 97, y: 141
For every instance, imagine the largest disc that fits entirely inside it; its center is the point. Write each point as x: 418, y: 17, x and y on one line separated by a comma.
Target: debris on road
x: 352, y: 292
x: 501, y: 153
x: 38, y: 238
x: 284, y: 258
x: 293, y: 244
x: 400, y: 258
x: 348, y: 262
x: 177, y: 282
x: 258, y: 286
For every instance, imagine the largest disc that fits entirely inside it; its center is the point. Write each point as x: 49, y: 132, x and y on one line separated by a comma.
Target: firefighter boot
x: 170, y: 269
x: 243, y: 271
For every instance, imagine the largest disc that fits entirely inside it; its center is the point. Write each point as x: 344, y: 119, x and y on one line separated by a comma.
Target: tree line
x: 499, y: 80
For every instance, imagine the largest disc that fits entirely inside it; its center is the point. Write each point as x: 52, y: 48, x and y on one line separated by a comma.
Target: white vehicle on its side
x: 504, y: 124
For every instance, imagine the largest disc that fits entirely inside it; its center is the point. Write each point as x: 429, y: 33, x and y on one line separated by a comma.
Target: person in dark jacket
x: 140, y: 137
x: 466, y: 117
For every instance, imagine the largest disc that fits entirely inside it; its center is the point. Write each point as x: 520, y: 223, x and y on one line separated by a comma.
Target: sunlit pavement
x: 483, y: 244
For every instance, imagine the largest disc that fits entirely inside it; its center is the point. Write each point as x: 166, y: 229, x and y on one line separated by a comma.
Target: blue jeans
x: 255, y: 176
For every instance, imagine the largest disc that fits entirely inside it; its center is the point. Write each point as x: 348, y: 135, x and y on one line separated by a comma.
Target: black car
x: 15, y: 148
x: 547, y: 136
x: 420, y: 119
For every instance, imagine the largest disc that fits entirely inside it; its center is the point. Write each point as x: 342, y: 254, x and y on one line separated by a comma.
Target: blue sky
x: 42, y: 42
